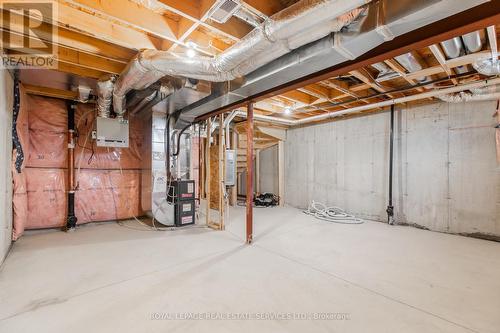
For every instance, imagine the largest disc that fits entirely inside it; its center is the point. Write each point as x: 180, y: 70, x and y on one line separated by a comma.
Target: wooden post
x: 257, y: 171
x: 234, y: 189
x: 281, y: 172
x: 207, y: 172
x: 202, y: 170
x: 249, y: 173
x: 222, y: 164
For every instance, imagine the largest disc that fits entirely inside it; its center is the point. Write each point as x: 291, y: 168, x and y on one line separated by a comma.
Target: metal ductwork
x: 249, y: 17
x: 453, y: 47
x: 488, y: 66
x: 105, y: 95
x: 165, y: 88
x: 473, y: 41
x: 385, y: 73
x: 295, y: 26
x: 354, y: 40
x: 489, y: 93
x: 410, y: 63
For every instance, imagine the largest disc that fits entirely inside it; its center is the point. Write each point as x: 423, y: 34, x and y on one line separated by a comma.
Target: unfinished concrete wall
x: 268, y: 175
x: 446, y: 176
x: 6, y: 100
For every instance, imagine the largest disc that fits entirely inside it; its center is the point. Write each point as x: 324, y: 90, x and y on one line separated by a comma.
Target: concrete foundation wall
x: 268, y: 176
x: 446, y: 176
x: 6, y: 99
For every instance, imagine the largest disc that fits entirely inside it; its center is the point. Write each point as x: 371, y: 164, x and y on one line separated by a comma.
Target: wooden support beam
x: 69, y: 39
x: 395, y: 66
x: 492, y: 38
x: 131, y: 14
x: 207, y: 172
x: 70, y: 56
x: 67, y: 68
x: 202, y: 169
x: 364, y: 76
x: 222, y: 165
x: 234, y: 189
x: 50, y: 92
x: 76, y: 20
x: 438, y: 54
x: 250, y: 171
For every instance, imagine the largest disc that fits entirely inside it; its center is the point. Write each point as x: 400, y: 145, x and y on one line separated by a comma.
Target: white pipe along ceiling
x: 481, y: 90
x: 305, y: 38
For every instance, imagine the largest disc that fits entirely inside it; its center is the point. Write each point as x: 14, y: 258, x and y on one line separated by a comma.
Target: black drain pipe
x: 390, y: 207
x: 71, y: 220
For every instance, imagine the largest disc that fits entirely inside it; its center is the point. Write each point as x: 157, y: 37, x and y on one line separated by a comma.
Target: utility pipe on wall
x: 249, y: 216
x: 390, y: 207
x: 71, y: 219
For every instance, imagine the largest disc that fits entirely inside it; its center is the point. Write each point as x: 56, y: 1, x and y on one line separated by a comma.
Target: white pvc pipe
x: 334, y: 114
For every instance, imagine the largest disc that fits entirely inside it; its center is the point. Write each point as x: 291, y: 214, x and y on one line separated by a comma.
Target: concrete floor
x: 109, y: 278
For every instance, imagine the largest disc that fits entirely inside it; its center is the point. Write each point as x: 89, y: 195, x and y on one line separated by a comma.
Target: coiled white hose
x: 331, y: 214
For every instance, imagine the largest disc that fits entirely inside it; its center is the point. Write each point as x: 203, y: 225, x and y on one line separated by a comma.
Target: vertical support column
x: 257, y: 171
x: 222, y: 166
x: 201, y: 169
x: 249, y: 205
x: 281, y: 172
x: 207, y: 171
x: 234, y: 189
x: 390, y: 207
x: 71, y: 219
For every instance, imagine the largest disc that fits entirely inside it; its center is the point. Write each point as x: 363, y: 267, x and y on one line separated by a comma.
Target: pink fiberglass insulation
x: 19, y: 195
x: 108, y: 181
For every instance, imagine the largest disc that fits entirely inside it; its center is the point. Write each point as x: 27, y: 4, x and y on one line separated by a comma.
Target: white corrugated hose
x: 331, y: 214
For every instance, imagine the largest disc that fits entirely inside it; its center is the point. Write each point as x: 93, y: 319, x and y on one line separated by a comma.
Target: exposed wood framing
x: 50, y: 92
x: 207, y: 172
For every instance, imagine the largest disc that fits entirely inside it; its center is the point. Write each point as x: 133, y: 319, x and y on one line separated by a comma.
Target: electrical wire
x: 331, y: 214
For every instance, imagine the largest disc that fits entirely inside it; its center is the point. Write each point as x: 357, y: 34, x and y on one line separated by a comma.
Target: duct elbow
x: 488, y: 66
x: 105, y: 87
x: 489, y: 93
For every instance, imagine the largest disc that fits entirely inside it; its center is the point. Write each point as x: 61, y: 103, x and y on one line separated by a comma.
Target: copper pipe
x: 71, y: 218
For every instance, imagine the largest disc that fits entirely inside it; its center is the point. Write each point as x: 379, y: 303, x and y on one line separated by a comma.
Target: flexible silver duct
x: 488, y: 66
x: 479, y: 94
x: 104, y: 95
x: 297, y: 25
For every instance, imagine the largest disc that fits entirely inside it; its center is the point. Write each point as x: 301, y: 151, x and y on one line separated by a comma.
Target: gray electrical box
x: 112, y: 132
x: 230, y: 167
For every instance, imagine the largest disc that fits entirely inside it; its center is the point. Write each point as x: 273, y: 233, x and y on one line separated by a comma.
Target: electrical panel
x: 230, y: 167
x: 112, y: 132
